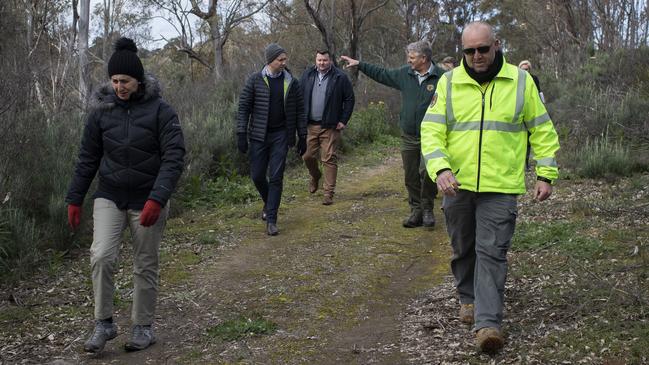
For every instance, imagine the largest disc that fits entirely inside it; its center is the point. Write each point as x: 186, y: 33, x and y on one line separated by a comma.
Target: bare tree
x: 359, y: 11
x: 222, y: 20
x: 84, y: 59
x: 319, y: 16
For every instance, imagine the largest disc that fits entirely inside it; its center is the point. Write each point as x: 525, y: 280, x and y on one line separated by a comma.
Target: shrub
x: 368, y: 126
x: 19, y: 242
x: 599, y: 158
x: 221, y: 190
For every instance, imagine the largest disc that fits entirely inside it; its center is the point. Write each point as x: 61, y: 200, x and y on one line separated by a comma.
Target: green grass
x: 565, y: 237
x: 624, y: 340
x: 243, y: 326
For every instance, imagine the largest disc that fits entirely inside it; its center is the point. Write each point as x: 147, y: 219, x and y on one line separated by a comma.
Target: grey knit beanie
x: 272, y: 51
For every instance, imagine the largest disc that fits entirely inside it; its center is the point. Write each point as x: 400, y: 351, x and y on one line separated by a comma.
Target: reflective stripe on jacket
x: 480, y: 132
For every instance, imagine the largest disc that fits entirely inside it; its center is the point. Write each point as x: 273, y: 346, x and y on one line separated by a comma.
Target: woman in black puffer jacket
x: 133, y: 140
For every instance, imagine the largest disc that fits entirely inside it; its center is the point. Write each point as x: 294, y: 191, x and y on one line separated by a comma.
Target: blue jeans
x: 267, y: 163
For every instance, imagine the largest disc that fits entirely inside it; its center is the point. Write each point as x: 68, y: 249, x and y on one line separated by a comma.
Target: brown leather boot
x: 330, y: 175
x: 328, y: 200
x: 466, y: 313
x: 489, y: 339
x: 313, y: 182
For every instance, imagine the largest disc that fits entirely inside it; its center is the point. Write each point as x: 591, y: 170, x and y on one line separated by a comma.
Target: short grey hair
x: 421, y: 47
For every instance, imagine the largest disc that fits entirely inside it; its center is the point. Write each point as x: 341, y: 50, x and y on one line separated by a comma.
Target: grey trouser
x: 109, y: 224
x: 421, y: 189
x: 481, y: 226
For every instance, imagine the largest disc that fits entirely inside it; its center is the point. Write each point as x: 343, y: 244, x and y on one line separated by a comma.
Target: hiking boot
x: 489, y: 339
x: 104, y: 331
x: 428, y: 219
x: 313, y: 183
x: 271, y: 229
x: 141, y: 338
x: 466, y: 313
x: 415, y: 220
x: 328, y: 200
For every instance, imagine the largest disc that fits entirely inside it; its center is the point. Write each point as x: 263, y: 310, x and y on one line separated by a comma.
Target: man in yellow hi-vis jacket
x: 473, y: 139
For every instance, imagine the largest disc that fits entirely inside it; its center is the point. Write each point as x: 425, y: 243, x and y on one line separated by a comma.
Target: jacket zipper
x: 128, y: 140
x: 477, y: 186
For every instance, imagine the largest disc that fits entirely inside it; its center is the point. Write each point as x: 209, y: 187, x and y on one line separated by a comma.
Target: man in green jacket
x: 417, y: 82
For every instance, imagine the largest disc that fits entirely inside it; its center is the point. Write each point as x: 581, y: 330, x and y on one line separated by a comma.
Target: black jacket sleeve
x: 299, y: 112
x: 172, y: 154
x: 246, y: 100
x: 348, y: 99
x: 90, y: 155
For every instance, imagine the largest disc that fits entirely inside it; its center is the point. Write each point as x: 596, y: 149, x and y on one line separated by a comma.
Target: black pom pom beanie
x: 125, y: 61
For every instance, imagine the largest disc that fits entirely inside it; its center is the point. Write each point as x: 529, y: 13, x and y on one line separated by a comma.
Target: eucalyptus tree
x: 222, y: 18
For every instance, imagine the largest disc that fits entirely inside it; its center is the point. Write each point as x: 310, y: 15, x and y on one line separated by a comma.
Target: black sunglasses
x: 481, y: 50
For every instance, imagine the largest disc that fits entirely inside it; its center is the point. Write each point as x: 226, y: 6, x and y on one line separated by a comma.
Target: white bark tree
x: 222, y: 19
x: 84, y: 54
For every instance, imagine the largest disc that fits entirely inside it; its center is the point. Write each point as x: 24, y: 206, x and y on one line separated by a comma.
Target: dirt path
x: 336, y: 281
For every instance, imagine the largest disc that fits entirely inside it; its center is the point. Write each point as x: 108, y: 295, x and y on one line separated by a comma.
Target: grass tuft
x: 238, y: 328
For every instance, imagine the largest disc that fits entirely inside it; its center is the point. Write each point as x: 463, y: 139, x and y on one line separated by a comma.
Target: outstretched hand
x: 350, y: 61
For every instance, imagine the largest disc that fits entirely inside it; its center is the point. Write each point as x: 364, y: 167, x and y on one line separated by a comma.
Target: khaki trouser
x: 421, y: 188
x: 109, y: 224
x: 326, y: 142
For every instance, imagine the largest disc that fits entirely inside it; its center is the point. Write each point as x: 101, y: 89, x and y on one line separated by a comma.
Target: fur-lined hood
x: 104, y: 96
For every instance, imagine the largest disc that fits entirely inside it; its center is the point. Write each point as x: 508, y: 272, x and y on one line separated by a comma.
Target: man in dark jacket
x: 417, y: 82
x: 271, y: 110
x: 133, y: 139
x: 328, y: 102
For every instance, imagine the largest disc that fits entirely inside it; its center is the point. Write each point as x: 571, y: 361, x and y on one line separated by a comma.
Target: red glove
x: 150, y: 213
x: 74, y: 215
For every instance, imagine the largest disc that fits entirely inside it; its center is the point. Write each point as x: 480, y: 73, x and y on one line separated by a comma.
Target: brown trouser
x: 109, y: 224
x: 324, y: 141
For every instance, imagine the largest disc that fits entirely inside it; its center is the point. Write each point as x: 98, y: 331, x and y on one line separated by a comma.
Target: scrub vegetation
x: 346, y: 284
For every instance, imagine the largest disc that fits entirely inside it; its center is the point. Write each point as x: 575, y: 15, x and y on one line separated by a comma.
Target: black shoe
x: 428, y: 219
x: 104, y: 331
x: 271, y: 229
x: 415, y: 220
x: 141, y: 338
x: 263, y: 215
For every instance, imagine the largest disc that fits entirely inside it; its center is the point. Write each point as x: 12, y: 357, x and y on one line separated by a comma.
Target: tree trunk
x: 84, y: 63
x: 218, y: 43
x: 105, y: 49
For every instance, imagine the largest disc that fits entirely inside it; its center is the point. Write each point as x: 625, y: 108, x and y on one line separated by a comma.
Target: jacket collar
x: 437, y: 71
x: 460, y: 75
x: 287, y: 75
x: 104, y: 96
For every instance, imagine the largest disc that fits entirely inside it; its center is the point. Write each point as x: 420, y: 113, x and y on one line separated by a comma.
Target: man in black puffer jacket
x: 133, y: 139
x: 271, y: 111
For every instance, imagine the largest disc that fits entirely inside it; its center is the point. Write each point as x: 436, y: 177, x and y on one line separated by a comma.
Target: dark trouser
x: 481, y: 226
x: 267, y: 163
x: 421, y: 189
